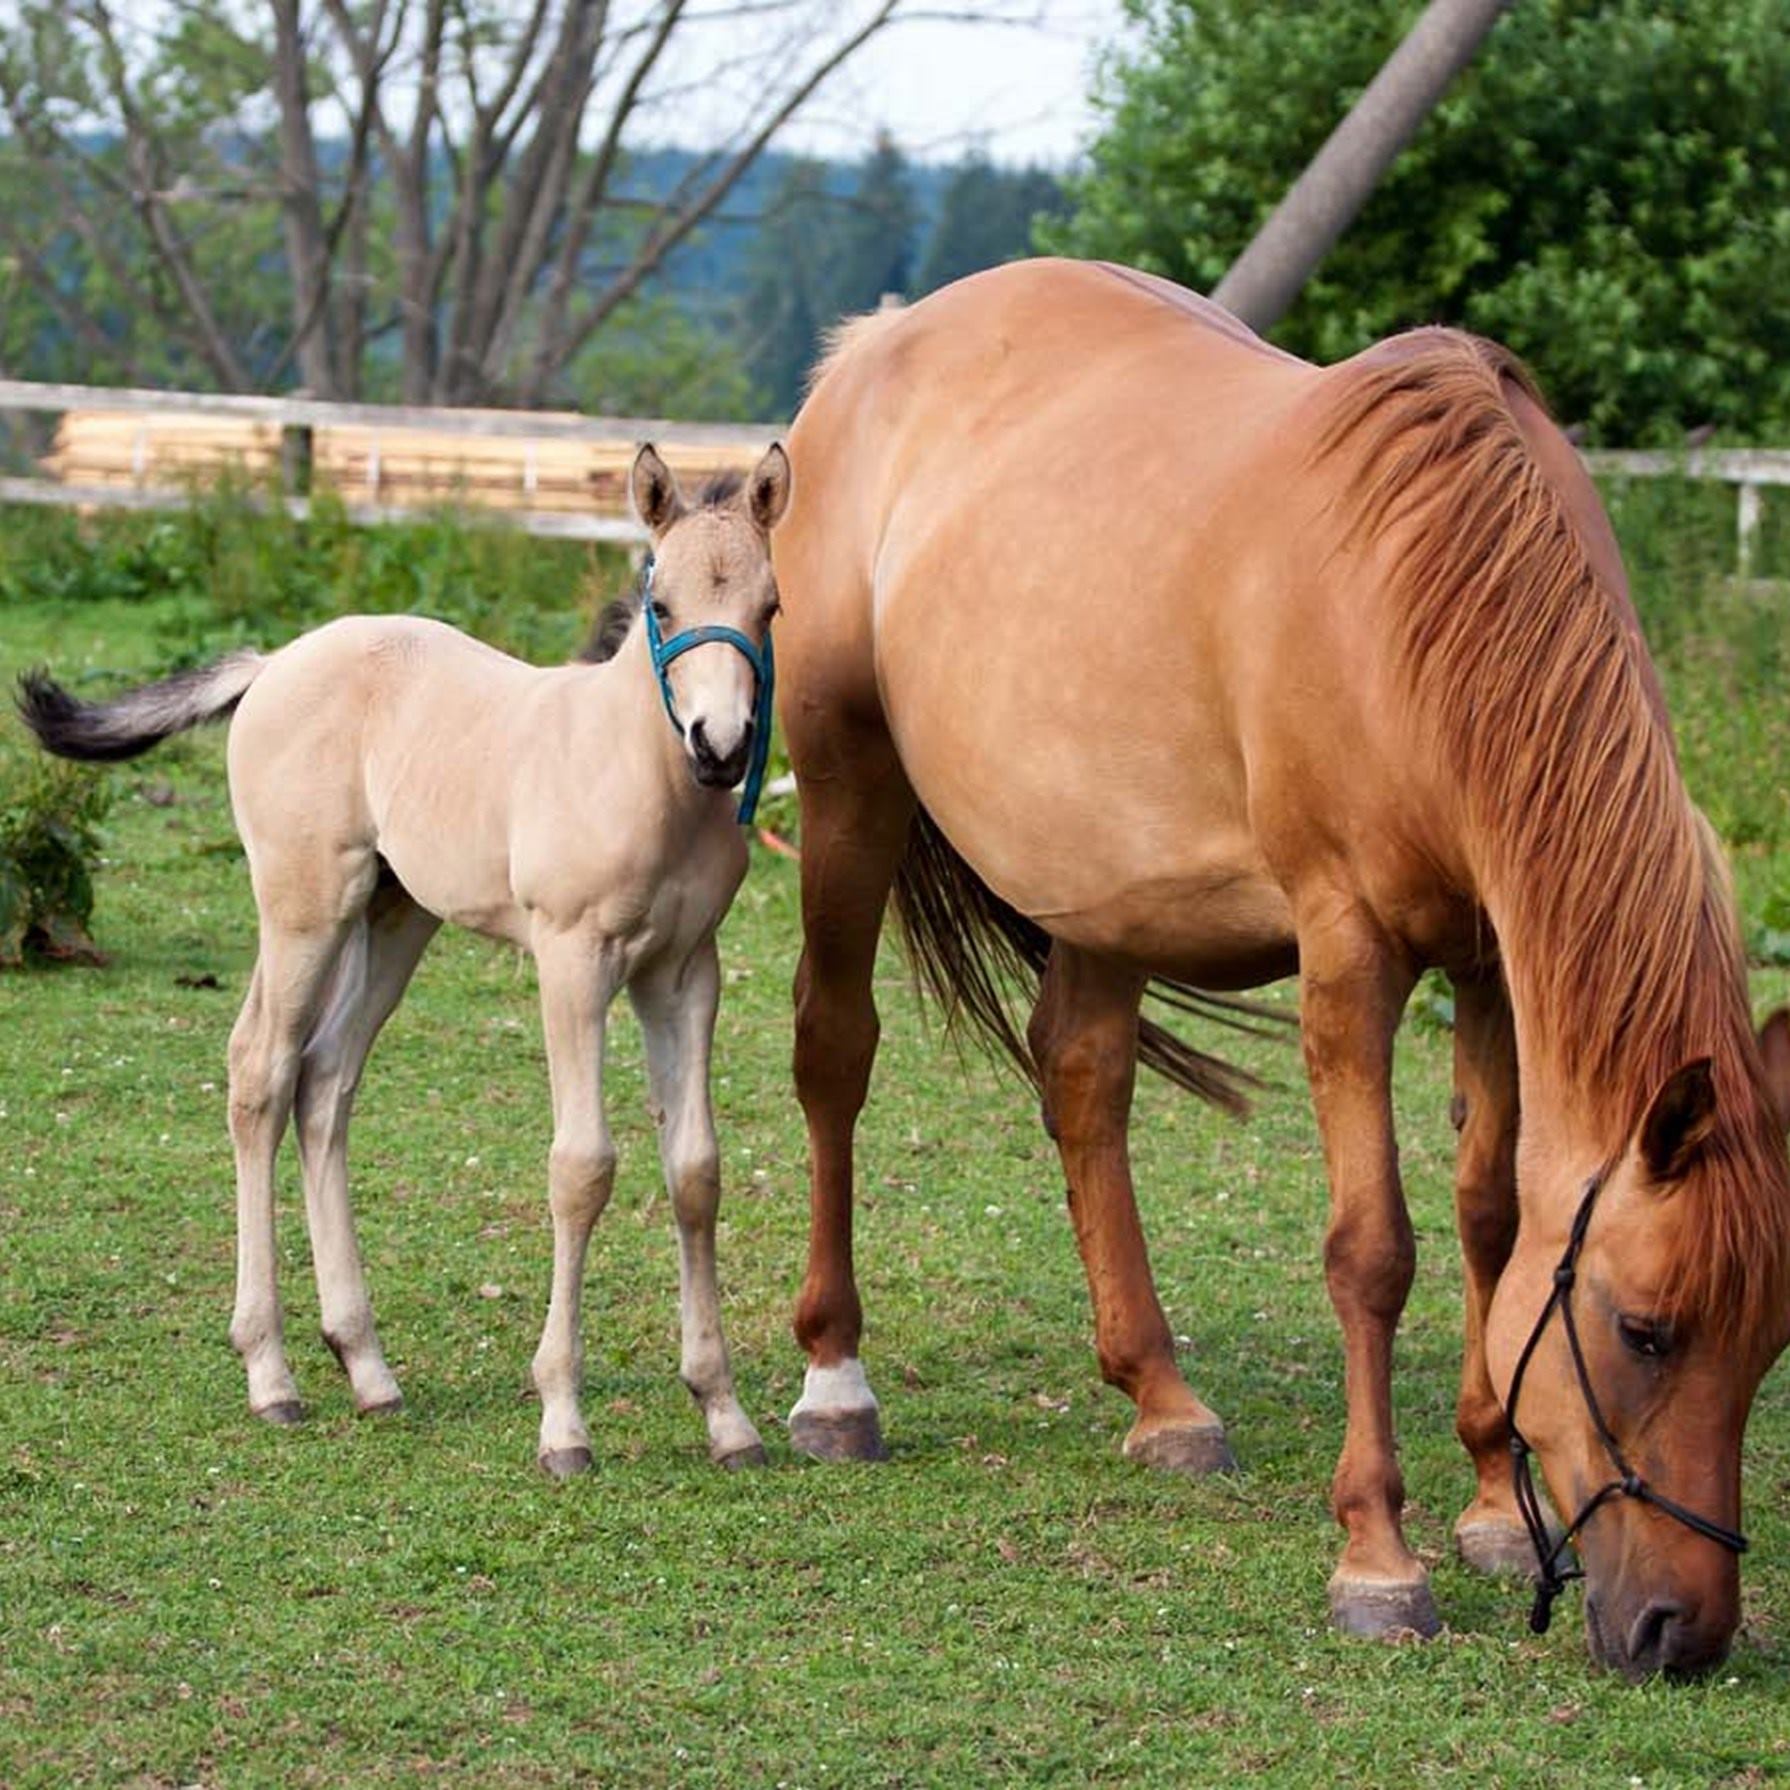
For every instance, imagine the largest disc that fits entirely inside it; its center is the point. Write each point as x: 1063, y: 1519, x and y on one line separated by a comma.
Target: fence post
x: 296, y: 450
x: 1746, y: 527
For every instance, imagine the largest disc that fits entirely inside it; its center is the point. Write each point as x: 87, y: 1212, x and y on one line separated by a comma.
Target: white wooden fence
x: 1748, y: 470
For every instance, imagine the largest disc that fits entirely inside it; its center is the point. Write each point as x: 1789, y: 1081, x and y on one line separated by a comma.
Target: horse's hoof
x: 838, y: 1435
x: 1503, y: 1550
x: 752, y: 1455
x: 1376, y: 1611
x: 284, y: 1414
x: 1196, y: 1449
x: 565, y: 1463
x: 385, y: 1407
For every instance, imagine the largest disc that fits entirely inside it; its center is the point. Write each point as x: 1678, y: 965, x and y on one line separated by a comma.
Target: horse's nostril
x: 1657, y: 1637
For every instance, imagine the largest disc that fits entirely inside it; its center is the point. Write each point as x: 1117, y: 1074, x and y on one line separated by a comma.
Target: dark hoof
x: 1378, y: 1612
x: 390, y: 1407
x: 1503, y: 1550
x: 565, y: 1463
x: 838, y: 1435
x: 1196, y: 1450
x: 284, y: 1415
x: 753, y: 1456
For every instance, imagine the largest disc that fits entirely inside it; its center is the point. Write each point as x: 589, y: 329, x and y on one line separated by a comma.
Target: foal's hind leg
x: 676, y: 1004
x: 284, y: 995
x: 1083, y: 1037
x: 372, y: 972
x: 1353, y: 986
x: 856, y: 809
x: 1489, y: 1533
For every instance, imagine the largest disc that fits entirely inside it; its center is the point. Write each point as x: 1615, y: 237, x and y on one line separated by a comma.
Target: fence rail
x: 1748, y: 470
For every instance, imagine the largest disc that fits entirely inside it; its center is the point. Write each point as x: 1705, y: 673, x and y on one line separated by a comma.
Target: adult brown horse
x: 1122, y: 645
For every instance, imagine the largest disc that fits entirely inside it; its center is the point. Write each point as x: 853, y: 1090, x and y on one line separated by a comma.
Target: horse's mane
x: 1620, y: 941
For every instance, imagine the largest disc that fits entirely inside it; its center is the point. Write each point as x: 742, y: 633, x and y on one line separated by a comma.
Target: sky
x: 942, y: 87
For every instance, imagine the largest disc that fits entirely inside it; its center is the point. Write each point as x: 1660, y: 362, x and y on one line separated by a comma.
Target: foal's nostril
x: 699, y: 739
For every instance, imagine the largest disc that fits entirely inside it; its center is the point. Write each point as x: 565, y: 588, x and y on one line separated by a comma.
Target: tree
x: 986, y: 216
x: 323, y: 188
x: 1604, y: 188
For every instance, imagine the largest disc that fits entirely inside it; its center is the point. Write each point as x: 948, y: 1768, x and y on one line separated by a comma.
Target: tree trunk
x: 1265, y: 279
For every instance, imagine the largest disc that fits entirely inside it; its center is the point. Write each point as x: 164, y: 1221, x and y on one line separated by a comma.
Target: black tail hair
x: 130, y: 724
x: 967, y: 947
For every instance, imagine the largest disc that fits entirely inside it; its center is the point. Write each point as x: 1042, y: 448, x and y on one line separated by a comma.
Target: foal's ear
x: 657, y: 501
x: 767, y: 489
x: 1774, y: 1047
x: 1679, y: 1121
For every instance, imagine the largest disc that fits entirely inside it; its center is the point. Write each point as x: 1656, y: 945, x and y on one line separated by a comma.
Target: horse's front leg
x: 1083, y: 1036
x: 1353, y: 986
x: 1489, y: 1533
x: 579, y: 976
x: 676, y: 1003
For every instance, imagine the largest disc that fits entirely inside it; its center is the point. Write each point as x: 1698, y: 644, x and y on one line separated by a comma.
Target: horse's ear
x: 767, y: 490
x: 1679, y: 1121
x: 1774, y: 1047
x: 657, y: 501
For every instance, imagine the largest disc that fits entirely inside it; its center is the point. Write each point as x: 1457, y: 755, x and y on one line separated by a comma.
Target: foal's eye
x: 660, y: 613
x: 1646, y: 1337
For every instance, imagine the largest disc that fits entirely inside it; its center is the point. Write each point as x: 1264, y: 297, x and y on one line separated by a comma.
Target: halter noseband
x: 1552, y: 1578
x: 764, y: 666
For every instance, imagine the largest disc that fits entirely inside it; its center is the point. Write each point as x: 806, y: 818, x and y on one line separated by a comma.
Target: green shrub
x: 49, y: 845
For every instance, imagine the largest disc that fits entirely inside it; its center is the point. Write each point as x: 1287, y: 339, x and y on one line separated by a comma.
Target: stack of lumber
x: 402, y: 467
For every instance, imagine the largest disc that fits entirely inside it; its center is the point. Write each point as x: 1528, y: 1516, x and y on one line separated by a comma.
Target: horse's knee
x: 1370, y: 1259
x: 836, y: 1034
x: 580, y: 1176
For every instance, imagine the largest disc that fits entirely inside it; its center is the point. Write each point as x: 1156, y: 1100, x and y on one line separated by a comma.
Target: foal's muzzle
x: 714, y: 770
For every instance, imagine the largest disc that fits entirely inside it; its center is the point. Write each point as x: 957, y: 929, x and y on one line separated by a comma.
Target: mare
x: 388, y: 774
x: 1120, y: 645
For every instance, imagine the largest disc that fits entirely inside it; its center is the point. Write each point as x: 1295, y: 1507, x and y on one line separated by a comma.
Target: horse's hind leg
x: 1489, y: 1533
x: 676, y: 1004
x: 285, y: 992
x: 1353, y: 987
x: 372, y: 972
x: 1083, y: 1036
x: 856, y: 811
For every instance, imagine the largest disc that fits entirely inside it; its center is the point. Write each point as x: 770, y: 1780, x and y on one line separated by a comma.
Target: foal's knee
x: 580, y: 1176
x: 695, y: 1180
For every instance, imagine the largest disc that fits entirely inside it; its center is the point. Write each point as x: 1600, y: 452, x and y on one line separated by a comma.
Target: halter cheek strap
x: 764, y: 666
x: 1551, y: 1577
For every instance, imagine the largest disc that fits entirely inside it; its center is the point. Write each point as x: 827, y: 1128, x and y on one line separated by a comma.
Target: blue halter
x: 764, y: 665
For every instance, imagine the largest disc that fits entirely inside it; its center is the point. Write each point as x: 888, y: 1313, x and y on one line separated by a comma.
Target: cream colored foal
x: 387, y: 774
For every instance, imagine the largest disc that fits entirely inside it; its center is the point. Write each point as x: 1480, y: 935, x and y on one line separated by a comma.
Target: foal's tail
x: 140, y: 718
x: 966, y: 945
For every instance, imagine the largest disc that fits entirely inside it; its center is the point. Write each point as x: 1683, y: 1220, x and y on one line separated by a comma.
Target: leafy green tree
x: 986, y: 216
x: 1605, y: 189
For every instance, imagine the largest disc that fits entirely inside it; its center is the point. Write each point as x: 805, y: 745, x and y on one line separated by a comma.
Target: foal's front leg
x: 579, y: 976
x: 677, y: 1003
x: 1353, y: 987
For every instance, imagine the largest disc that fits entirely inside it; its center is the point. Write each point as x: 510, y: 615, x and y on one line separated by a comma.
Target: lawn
x: 190, y: 1597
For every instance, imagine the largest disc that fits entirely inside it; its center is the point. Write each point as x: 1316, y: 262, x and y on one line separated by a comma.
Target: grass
x: 189, y: 1597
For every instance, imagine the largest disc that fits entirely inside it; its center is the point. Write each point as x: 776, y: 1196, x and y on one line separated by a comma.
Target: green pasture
x: 190, y: 1597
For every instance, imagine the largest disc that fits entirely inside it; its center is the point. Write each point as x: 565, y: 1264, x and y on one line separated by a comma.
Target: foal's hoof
x: 282, y: 1415
x: 1503, y: 1550
x: 1196, y: 1449
x: 752, y: 1455
x: 838, y: 1435
x: 565, y: 1463
x: 1376, y: 1611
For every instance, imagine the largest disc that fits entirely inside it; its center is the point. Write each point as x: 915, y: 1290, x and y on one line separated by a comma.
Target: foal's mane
x: 1618, y: 931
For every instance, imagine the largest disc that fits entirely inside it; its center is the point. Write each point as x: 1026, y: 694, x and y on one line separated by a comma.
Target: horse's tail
x: 140, y: 718
x: 966, y: 945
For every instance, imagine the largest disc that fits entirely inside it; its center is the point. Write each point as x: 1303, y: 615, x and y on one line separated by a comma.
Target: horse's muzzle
x: 1660, y: 1638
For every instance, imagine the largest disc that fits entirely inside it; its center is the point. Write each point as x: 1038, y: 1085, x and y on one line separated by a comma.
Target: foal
x: 388, y: 774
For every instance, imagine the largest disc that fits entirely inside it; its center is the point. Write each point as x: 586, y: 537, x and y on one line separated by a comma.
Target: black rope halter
x: 1552, y: 1577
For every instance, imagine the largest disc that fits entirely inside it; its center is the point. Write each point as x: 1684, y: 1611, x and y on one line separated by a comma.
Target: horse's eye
x: 1646, y: 1337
